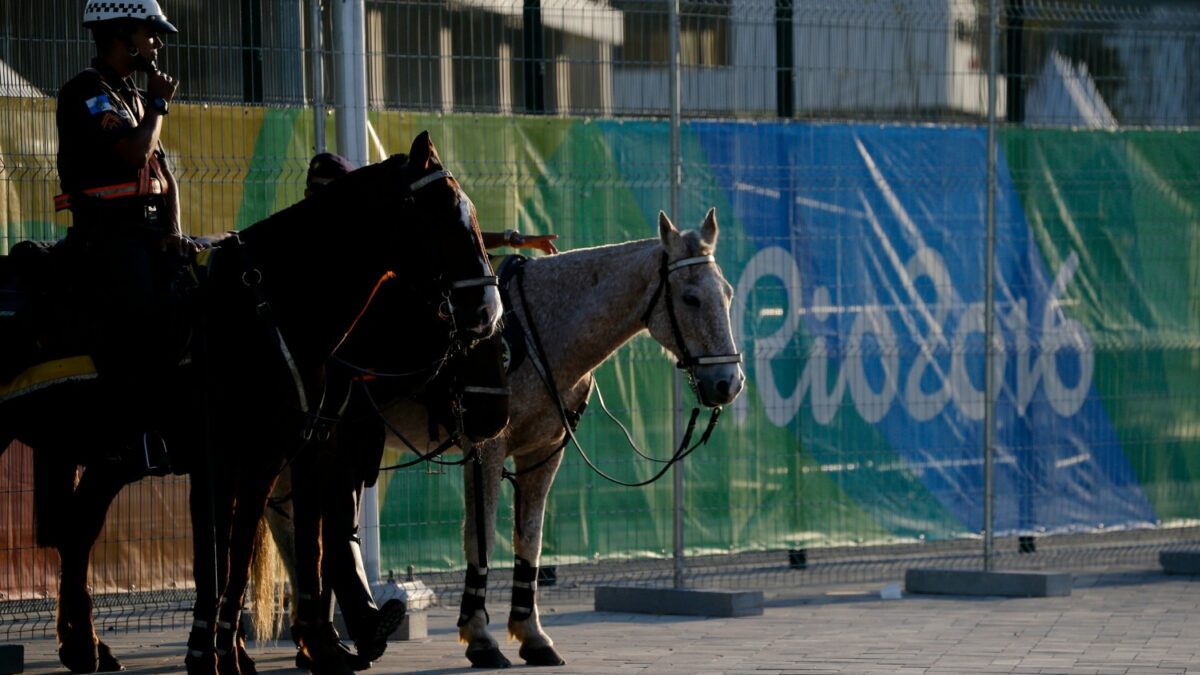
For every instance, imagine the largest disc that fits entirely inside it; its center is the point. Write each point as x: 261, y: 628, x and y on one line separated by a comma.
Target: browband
x: 422, y: 182
x: 687, y: 262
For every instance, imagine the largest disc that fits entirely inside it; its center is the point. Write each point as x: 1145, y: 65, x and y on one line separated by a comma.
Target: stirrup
x: 155, y: 454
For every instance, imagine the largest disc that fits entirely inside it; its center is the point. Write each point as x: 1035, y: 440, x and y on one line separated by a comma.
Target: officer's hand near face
x: 161, y: 85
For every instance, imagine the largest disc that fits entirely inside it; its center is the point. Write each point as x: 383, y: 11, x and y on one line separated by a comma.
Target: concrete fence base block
x: 414, y: 627
x: 1007, y: 584
x: 12, y: 659
x: 686, y: 602
x: 1180, y: 562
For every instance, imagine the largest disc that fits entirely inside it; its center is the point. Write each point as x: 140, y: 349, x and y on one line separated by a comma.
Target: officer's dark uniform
x: 121, y: 215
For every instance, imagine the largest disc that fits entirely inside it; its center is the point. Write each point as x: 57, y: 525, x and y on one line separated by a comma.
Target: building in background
x: 810, y: 59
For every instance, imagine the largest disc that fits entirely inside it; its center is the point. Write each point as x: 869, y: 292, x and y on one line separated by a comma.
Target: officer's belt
x: 149, y: 186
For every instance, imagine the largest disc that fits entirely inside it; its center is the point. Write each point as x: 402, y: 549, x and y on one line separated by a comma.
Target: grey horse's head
x: 691, y: 318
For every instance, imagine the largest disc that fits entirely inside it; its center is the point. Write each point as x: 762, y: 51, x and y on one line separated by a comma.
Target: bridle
x: 688, y: 363
x: 447, y: 289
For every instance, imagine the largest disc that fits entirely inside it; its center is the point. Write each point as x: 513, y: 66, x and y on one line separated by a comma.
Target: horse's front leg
x: 79, y: 648
x: 535, y: 473
x: 482, y: 480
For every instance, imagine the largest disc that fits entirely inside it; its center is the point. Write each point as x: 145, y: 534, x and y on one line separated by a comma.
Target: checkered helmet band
x: 99, y: 11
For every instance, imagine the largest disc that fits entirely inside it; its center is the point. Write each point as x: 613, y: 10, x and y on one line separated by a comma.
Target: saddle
x: 29, y: 281
x: 45, y: 323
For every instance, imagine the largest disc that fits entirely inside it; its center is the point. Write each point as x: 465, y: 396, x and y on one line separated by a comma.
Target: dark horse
x: 467, y: 397
x: 277, y: 302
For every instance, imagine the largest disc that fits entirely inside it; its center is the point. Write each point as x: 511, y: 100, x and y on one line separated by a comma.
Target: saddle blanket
x: 48, y: 374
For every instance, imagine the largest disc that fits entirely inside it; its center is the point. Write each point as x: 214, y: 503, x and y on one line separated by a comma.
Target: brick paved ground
x: 1127, y: 622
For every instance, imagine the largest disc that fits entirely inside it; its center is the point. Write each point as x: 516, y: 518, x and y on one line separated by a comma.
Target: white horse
x: 577, y: 308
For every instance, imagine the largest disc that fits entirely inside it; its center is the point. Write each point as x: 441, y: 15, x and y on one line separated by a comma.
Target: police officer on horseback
x: 125, y: 238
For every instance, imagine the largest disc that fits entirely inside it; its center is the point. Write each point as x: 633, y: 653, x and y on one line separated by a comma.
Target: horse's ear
x: 708, y: 230
x: 667, y: 231
x: 423, y: 155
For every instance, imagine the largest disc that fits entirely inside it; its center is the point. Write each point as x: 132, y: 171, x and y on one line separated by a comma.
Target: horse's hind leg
x: 79, y: 648
x: 211, y: 504
x: 480, y: 524
x: 252, y: 500
x: 533, y: 487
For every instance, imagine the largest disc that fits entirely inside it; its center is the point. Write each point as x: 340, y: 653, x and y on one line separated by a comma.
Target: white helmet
x: 99, y: 11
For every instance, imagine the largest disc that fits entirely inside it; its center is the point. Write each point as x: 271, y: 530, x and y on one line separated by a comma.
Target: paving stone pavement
x: 1125, y: 623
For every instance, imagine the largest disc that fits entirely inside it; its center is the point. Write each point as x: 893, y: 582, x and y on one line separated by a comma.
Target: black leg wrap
x: 524, y: 590
x: 474, y: 595
x: 228, y: 622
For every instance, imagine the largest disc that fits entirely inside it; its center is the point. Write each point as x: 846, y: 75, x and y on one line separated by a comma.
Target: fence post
x: 350, y: 64
x: 350, y: 88
x: 989, y: 302
x: 987, y: 581
x: 676, y: 388
x: 316, y: 65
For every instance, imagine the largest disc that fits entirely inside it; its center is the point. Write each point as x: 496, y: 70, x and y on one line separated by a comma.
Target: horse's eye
x: 691, y: 300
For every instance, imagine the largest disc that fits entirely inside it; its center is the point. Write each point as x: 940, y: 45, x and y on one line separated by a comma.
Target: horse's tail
x: 280, y: 550
x: 264, y: 575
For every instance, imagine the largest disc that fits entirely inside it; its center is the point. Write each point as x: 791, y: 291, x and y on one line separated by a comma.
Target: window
x: 704, y: 35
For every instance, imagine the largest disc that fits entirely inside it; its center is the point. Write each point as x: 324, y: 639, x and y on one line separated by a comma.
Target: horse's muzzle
x: 482, y: 321
x: 719, y: 384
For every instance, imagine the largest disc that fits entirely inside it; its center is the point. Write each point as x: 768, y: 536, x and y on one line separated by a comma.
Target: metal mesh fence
x: 844, y: 145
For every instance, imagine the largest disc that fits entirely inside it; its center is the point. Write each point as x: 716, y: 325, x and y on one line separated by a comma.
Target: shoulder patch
x: 99, y: 105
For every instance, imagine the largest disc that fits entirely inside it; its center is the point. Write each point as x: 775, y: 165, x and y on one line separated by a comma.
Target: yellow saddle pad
x: 48, y: 374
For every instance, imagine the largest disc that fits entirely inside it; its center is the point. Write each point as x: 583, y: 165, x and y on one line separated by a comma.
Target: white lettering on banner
x: 872, y: 340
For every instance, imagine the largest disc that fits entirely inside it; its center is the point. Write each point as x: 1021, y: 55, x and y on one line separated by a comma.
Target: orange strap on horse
x: 388, y: 276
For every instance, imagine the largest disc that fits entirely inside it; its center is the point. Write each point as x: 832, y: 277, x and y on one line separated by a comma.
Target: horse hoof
x: 107, y: 663
x: 79, y: 656
x: 204, y: 664
x: 488, y: 658
x: 227, y: 664
x: 541, y: 656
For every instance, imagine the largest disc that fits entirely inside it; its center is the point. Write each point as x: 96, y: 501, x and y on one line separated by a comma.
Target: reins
x: 539, y: 360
